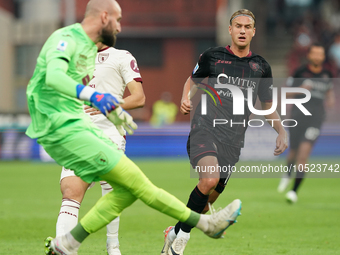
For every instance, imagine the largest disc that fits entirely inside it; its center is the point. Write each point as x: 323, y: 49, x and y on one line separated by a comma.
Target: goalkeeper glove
x: 122, y: 120
x: 104, y: 102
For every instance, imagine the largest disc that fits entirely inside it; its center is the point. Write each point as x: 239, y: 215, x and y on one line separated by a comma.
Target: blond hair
x: 243, y: 12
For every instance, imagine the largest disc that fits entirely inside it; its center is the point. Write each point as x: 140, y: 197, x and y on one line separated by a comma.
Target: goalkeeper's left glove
x: 122, y: 120
x: 104, y: 102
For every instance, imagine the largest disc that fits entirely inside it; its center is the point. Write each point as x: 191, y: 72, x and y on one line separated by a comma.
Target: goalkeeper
x: 114, y: 71
x: 54, y: 93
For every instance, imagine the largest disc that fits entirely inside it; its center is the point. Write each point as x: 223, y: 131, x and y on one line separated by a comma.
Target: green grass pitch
x: 30, y: 200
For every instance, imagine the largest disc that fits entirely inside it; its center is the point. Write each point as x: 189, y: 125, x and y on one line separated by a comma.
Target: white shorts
x: 119, y: 140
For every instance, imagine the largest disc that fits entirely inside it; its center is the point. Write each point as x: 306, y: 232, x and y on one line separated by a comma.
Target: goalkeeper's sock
x: 78, y: 233
x: 197, y: 202
x: 68, y: 216
x: 298, y: 180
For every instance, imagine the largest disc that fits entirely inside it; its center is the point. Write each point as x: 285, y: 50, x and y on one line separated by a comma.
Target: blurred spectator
x: 334, y: 53
x: 164, y: 111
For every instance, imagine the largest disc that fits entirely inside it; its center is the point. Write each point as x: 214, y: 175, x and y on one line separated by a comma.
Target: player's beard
x: 108, y: 36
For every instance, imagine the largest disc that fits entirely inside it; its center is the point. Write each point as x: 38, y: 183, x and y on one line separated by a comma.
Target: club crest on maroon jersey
x: 254, y: 66
x: 102, y: 57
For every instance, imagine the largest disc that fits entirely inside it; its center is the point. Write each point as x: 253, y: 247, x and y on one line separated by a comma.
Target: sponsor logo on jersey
x: 134, y: 66
x: 195, y: 69
x: 62, y: 45
x: 254, y: 66
x: 102, y: 57
x: 223, y: 62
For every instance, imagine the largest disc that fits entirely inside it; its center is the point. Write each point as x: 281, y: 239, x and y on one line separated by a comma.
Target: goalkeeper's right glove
x: 104, y: 102
x: 122, y: 120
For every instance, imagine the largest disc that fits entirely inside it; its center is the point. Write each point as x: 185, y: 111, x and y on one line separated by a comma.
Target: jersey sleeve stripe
x: 138, y: 79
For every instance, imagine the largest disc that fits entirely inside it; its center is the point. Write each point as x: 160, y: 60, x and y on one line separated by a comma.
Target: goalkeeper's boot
x: 291, y: 197
x: 167, y: 241
x: 55, y: 247
x: 284, y: 182
x: 178, y: 246
x: 219, y: 221
x: 113, y: 250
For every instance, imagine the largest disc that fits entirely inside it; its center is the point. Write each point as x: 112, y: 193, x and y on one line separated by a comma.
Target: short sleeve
x: 202, y: 67
x: 129, y: 69
x: 60, y: 46
x: 265, y: 91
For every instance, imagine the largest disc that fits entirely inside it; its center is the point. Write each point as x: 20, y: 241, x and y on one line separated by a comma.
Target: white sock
x: 172, y: 235
x: 182, y: 234
x: 113, y: 227
x: 68, y: 216
x: 203, y: 223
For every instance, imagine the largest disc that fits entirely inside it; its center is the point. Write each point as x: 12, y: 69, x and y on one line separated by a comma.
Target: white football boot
x: 219, y: 221
x: 56, y: 247
x: 178, y: 246
x: 167, y: 241
x: 291, y: 197
x: 113, y: 250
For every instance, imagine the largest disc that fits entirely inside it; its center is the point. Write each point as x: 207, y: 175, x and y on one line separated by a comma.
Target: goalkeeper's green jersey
x: 49, y: 108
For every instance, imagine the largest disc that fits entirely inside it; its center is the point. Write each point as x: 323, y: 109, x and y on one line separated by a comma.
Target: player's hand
x: 186, y: 106
x: 281, y: 143
x: 91, y: 111
x: 122, y: 120
x: 105, y: 102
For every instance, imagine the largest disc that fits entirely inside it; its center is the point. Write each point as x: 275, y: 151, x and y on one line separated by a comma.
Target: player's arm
x: 57, y: 78
x: 135, y: 100
x: 274, y: 120
x: 190, y: 88
x: 137, y: 97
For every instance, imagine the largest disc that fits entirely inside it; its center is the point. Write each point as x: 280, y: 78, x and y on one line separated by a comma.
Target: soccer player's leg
x: 302, y: 156
x: 178, y: 237
x: 129, y: 183
x: 202, y: 150
x: 295, y: 137
x: 86, y: 149
x: 310, y: 135
x: 73, y: 190
x: 112, y: 242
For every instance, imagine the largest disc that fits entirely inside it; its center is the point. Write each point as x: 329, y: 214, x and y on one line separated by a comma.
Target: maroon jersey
x: 251, y: 71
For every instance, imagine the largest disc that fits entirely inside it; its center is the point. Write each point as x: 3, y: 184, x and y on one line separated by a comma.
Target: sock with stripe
x: 68, y: 216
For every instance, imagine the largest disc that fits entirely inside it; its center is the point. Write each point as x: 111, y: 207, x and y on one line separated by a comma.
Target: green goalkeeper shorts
x: 81, y: 146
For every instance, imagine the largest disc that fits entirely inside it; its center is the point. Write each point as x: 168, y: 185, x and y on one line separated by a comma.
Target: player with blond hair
x: 209, y: 145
